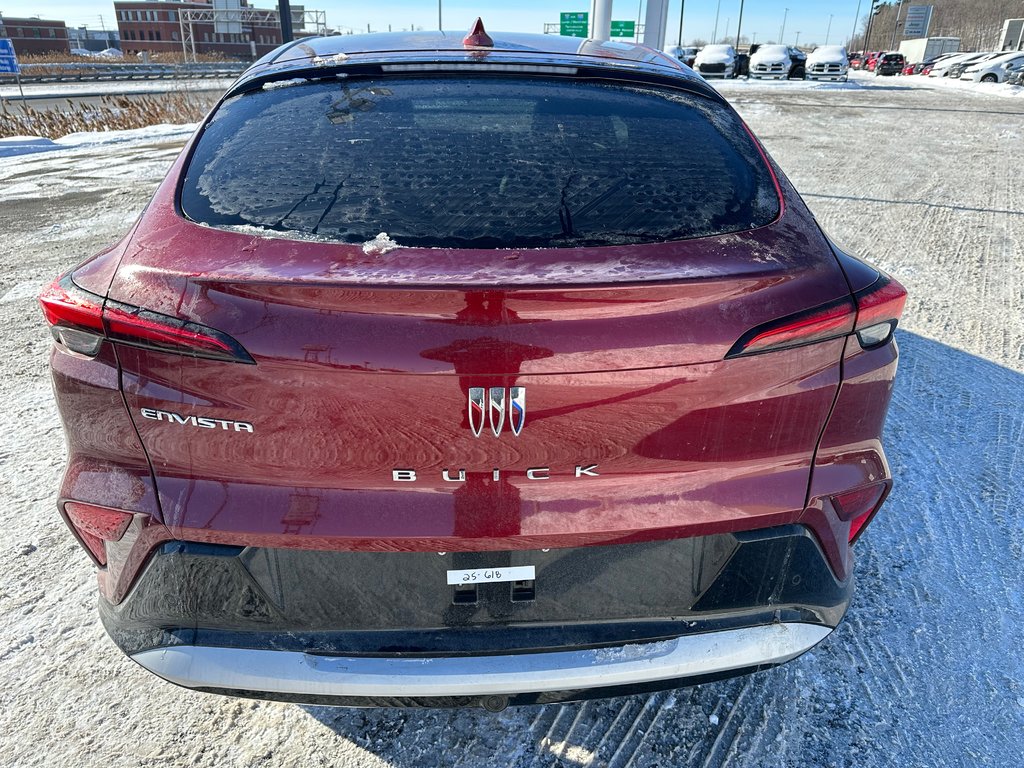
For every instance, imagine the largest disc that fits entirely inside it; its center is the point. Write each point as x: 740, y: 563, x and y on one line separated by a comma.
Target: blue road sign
x: 8, y: 61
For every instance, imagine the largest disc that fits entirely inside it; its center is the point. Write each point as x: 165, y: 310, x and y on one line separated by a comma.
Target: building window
x: 172, y: 15
x: 206, y: 37
x: 158, y: 35
x: 53, y: 32
x: 37, y: 32
x: 174, y: 36
x: 151, y: 35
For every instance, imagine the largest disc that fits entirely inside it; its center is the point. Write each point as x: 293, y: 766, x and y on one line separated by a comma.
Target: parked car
x: 716, y: 61
x: 799, y: 59
x: 941, y: 68
x: 335, y: 434
x: 992, y: 70
x: 889, y: 64
x: 857, y: 60
x: 956, y: 70
x: 1015, y: 74
x: 770, y: 61
x: 871, y: 60
x: 828, y: 62
x: 923, y: 67
x: 687, y: 55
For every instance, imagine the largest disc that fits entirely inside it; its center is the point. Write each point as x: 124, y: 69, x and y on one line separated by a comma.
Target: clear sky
x: 764, y: 17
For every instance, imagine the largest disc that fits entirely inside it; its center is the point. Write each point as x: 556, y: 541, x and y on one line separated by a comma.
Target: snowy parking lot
x: 926, y: 670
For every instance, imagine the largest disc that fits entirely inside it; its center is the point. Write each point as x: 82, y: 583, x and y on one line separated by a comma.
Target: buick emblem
x: 493, y: 406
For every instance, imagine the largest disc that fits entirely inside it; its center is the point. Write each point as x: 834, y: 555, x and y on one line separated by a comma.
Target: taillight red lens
x: 872, y: 312
x: 827, y: 321
x: 879, y: 307
x: 859, y: 504
x: 64, y: 304
x: 81, y: 320
x: 95, y: 525
x: 139, y: 327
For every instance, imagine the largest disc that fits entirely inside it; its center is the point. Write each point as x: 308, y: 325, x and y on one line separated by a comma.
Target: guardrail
x: 102, y: 72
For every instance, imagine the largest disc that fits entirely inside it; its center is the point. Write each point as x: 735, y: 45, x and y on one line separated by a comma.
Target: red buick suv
x: 471, y: 372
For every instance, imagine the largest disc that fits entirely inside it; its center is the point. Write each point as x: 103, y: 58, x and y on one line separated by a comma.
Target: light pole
x: 867, y: 31
x: 739, y: 26
x: 682, y: 7
x: 714, y: 35
x: 829, y: 30
x: 782, y: 31
x: 856, y: 18
x: 284, y: 10
x: 895, y: 25
x: 796, y: 43
x: 439, y: 26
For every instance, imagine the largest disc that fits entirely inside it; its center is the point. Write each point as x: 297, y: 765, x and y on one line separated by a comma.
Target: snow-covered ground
x: 925, y: 671
x: 860, y: 81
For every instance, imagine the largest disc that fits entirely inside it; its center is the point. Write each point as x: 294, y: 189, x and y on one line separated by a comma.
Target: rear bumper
x: 384, y: 628
x: 302, y: 676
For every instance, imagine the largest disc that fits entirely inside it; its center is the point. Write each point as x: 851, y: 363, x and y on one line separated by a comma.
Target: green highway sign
x: 574, y: 24
x: 623, y: 29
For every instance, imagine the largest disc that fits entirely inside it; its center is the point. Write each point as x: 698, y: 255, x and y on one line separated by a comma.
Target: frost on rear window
x: 478, y: 162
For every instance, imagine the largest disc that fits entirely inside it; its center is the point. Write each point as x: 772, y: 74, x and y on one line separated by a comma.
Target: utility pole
x: 867, y: 31
x: 739, y: 26
x: 782, y: 31
x: 600, y: 19
x: 856, y: 18
x: 284, y: 10
x: 895, y: 25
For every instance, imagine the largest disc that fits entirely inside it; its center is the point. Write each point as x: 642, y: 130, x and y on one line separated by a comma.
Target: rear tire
x: 990, y: 79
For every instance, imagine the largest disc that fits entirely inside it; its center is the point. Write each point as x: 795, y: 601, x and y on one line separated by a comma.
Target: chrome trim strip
x: 299, y: 673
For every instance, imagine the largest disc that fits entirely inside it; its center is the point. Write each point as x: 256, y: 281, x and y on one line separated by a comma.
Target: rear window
x: 478, y: 162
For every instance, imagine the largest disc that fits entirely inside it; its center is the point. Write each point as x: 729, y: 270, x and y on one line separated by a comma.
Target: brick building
x: 35, y: 35
x: 155, y: 26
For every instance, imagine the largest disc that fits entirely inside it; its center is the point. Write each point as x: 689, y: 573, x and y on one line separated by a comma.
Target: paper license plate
x: 481, y: 575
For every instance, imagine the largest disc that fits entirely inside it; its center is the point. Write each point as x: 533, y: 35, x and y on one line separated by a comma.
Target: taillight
x: 872, y: 313
x: 81, y: 321
x: 75, y: 316
x: 858, y: 506
x: 879, y: 307
x: 95, y: 525
x: 826, y: 321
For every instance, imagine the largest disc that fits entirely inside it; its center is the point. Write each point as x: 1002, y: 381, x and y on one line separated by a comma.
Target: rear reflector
x: 95, y: 525
x: 857, y: 506
x: 81, y: 320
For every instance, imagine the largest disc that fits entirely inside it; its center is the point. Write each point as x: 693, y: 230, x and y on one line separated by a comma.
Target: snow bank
x: 26, y: 145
